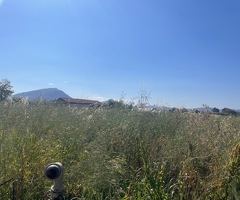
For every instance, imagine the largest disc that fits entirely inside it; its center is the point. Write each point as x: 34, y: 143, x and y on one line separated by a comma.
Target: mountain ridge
x: 48, y: 94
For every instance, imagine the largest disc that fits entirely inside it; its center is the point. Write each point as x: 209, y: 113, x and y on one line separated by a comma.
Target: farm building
x: 79, y: 102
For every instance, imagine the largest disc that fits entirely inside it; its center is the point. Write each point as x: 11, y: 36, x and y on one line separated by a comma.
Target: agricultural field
x: 119, y: 153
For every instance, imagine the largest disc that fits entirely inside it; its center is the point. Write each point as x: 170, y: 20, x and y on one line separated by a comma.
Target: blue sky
x: 182, y: 52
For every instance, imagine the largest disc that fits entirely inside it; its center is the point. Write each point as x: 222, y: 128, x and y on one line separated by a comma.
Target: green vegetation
x: 228, y: 111
x: 119, y: 153
x: 5, y: 89
x: 215, y: 110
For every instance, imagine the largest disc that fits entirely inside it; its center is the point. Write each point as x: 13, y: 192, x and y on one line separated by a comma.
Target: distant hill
x: 48, y: 94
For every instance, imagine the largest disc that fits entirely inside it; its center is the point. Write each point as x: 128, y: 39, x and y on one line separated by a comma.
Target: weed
x: 119, y: 153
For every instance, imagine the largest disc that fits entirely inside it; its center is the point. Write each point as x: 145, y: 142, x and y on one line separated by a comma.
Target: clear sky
x: 182, y: 52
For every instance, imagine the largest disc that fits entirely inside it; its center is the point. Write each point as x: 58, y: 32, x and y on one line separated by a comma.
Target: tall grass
x: 119, y: 153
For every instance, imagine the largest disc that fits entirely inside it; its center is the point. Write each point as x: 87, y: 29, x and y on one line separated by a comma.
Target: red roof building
x: 79, y: 102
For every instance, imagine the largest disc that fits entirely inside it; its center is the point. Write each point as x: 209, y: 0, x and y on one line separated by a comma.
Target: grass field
x: 119, y: 153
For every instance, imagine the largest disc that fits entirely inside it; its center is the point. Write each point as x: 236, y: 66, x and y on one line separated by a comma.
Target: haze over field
x: 184, y: 53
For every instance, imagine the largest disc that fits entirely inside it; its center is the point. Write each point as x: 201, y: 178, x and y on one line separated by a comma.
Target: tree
x: 117, y: 104
x: 206, y: 108
x: 183, y: 110
x: 215, y: 110
x: 228, y: 111
x: 5, y: 89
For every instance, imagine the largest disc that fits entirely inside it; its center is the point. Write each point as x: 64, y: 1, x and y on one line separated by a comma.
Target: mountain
x: 48, y: 94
